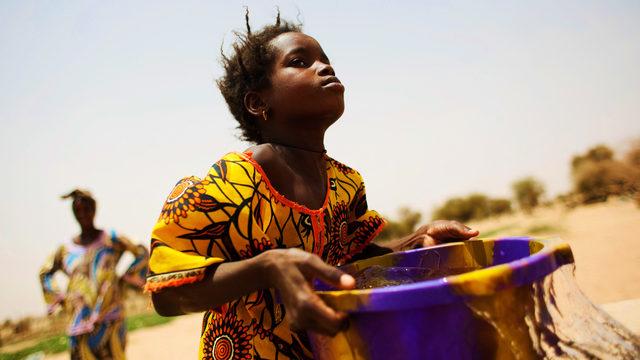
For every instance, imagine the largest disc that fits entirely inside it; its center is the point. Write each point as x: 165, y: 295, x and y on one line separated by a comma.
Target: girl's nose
x: 325, y: 69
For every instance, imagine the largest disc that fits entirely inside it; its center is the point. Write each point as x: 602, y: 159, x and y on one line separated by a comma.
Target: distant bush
x: 454, y: 209
x: 406, y: 223
x: 597, y: 175
x: 595, y: 154
x: 473, y: 207
x: 569, y: 200
x: 597, y: 181
x: 499, y: 206
x: 527, y: 193
x: 23, y: 326
x: 632, y: 157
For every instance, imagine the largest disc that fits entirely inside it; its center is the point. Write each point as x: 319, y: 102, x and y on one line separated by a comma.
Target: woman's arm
x: 288, y: 270
x: 137, y: 270
x: 52, y: 295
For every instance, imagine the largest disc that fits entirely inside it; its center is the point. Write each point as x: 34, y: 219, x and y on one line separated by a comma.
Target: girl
x: 93, y: 296
x: 274, y: 216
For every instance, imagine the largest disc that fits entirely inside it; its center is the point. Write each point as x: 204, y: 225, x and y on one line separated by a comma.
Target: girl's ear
x: 254, y: 104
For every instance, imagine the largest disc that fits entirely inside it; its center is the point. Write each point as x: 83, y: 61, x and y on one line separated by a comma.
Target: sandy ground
x: 627, y: 312
x: 605, y: 239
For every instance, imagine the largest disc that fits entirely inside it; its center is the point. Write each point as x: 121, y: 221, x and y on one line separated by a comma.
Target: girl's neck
x: 299, y: 148
x: 305, y: 145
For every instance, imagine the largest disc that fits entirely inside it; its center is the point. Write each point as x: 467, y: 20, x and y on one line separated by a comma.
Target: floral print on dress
x: 227, y: 338
x: 184, y: 197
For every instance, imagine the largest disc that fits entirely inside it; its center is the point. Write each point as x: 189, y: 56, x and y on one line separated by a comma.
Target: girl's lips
x: 334, y: 85
x: 330, y: 80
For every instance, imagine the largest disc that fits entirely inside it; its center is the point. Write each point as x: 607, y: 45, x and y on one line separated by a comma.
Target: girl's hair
x: 79, y: 196
x: 248, y: 69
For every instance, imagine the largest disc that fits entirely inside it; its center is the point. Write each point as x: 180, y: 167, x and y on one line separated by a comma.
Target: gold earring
x: 264, y: 115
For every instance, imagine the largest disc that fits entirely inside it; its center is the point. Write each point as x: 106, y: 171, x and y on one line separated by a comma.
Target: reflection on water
x: 380, y: 276
x: 553, y: 319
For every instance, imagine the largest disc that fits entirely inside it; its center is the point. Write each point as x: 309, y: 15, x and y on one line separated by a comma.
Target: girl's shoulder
x: 230, y: 180
x: 344, y: 173
x: 236, y: 167
x: 341, y: 167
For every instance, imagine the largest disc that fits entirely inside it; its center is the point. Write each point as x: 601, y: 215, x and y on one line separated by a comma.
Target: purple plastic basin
x: 431, y: 319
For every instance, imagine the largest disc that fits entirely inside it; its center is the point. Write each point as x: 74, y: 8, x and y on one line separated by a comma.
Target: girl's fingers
x: 443, y: 231
x: 461, y: 231
x: 428, y: 241
x: 317, y: 268
x: 325, y: 318
x: 309, y: 312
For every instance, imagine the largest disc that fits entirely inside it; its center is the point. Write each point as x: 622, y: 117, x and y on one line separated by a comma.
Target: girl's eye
x: 298, y: 63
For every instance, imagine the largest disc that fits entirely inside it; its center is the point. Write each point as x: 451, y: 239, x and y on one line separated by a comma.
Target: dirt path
x: 627, y: 312
x: 605, y: 239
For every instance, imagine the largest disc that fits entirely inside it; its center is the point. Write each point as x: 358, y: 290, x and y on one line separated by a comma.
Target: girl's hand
x: 291, y: 272
x: 442, y: 231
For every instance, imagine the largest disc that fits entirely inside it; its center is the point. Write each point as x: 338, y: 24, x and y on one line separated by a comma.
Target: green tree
x: 632, y: 157
x: 478, y: 206
x: 527, y: 192
x: 597, y: 175
x: 499, y: 206
x: 596, y: 181
x: 595, y: 154
x: 456, y: 208
x: 406, y: 223
x: 475, y: 206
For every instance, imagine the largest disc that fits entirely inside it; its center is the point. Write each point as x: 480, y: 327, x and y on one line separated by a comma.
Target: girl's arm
x: 437, y: 232
x: 410, y: 241
x: 441, y: 231
x: 52, y: 295
x: 371, y: 250
x: 288, y: 270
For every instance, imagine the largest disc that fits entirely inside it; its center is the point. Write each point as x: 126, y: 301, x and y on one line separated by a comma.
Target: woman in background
x: 94, y: 293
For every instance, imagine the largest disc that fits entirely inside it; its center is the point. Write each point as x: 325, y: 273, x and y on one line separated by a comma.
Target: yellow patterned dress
x: 234, y: 213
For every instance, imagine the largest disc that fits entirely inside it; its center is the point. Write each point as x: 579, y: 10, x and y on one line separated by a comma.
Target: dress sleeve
x: 205, y: 222
x: 52, y: 295
x: 176, y: 260
x: 364, y: 224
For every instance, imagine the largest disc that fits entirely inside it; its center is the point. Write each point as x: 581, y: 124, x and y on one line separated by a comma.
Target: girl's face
x: 304, y: 90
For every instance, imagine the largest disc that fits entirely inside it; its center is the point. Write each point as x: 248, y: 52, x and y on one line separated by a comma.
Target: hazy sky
x: 442, y: 99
